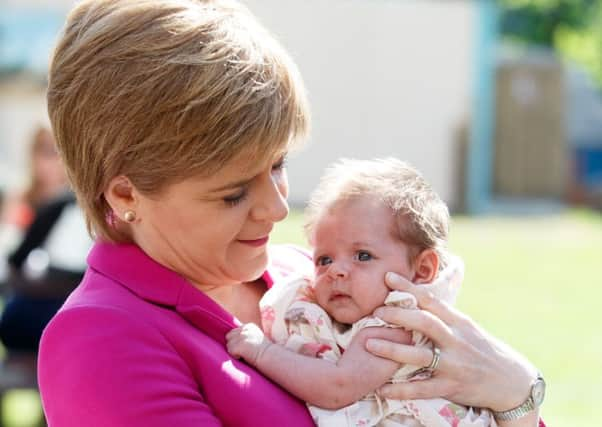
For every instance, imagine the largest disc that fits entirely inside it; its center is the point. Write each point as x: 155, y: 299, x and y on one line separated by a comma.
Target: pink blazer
x: 137, y: 345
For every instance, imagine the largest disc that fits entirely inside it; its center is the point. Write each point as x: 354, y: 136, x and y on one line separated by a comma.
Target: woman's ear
x: 122, y: 196
x: 426, y: 266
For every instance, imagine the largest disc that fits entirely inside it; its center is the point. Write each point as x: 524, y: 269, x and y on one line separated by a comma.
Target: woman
x: 47, y: 180
x: 173, y: 118
x: 38, y: 278
x: 43, y: 272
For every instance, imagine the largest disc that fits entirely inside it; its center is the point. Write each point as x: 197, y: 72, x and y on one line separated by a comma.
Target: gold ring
x: 435, y: 361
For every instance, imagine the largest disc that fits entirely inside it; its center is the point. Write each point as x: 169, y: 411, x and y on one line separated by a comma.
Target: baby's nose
x: 338, y: 270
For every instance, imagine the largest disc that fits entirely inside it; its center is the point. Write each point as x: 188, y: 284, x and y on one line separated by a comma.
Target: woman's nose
x: 272, y: 205
x: 279, y: 209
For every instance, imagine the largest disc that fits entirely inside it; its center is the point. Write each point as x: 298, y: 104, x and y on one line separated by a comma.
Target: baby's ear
x: 426, y: 266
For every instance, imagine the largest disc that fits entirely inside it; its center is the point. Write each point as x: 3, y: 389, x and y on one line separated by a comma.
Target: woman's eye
x: 280, y: 164
x: 363, y: 256
x: 323, y: 260
x: 236, y: 198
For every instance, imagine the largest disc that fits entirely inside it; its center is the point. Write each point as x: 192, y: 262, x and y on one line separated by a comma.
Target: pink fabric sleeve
x: 143, y: 382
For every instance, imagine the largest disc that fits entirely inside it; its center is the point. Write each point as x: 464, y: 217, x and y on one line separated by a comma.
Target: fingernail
x: 395, y: 278
x: 391, y: 276
x: 379, y: 312
x: 372, y: 345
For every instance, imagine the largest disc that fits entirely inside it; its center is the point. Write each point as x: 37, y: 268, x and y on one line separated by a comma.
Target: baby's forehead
x: 385, y: 233
x: 367, y: 204
x: 360, y: 216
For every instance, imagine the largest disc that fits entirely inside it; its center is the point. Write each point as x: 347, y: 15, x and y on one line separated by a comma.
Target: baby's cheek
x: 383, y: 292
x: 320, y: 289
x: 374, y: 300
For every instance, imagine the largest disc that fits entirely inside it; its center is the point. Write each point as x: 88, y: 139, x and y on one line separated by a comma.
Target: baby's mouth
x: 338, y: 296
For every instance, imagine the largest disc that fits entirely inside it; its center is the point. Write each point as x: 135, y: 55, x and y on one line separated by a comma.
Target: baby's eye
x: 363, y: 256
x: 323, y: 260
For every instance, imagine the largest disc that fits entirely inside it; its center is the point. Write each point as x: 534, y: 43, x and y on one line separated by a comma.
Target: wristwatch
x: 535, y: 399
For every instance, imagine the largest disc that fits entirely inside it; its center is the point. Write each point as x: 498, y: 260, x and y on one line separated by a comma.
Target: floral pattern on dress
x: 291, y: 317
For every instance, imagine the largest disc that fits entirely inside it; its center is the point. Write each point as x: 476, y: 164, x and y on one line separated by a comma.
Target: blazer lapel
x: 151, y: 281
x: 205, y: 314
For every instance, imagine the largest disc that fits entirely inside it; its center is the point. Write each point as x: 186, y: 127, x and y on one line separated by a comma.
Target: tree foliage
x: 571, y: 27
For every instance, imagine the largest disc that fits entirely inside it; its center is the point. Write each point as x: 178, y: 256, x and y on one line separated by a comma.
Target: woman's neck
x: 241, y: 300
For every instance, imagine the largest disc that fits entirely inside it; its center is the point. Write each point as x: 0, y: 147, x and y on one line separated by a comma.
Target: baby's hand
x: 247, y: 342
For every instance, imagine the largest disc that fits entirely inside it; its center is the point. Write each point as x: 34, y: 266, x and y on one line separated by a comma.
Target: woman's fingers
x: 406, y: 354
x: 474, y: 368
x: 426, y: 300
x: 425, y: 389
x: 417, y: 320
x: 397, y: 282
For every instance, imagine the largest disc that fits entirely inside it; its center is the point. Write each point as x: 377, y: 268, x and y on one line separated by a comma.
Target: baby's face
x: 353, y: 249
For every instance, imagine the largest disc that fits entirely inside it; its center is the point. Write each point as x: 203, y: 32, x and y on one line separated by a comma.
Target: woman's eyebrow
x: 232, y: 185
x: 241, y: 182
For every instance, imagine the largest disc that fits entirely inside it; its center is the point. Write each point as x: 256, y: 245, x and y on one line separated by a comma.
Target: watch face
x: 538, y: 392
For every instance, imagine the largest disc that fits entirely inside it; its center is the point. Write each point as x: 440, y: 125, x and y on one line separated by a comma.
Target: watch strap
x: 532, y: 402
x: 516, y: 413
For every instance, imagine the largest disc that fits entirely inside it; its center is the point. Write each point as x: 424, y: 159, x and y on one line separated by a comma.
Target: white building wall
x: 22, y: 109
x: 385, y: 78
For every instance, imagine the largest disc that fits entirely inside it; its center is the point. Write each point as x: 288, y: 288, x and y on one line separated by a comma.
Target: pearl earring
x: 129, y: 216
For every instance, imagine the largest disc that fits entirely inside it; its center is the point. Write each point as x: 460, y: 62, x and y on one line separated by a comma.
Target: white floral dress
x: 291, y: 317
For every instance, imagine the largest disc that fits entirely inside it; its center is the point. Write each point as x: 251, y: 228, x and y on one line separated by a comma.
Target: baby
x: 365, y: 218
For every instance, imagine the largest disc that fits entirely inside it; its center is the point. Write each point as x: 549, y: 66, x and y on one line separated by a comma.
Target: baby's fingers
x: 233, y: 333
x: 233, y: 347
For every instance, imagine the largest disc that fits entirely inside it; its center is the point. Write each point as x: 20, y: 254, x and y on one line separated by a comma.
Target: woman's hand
x: 475, y: 369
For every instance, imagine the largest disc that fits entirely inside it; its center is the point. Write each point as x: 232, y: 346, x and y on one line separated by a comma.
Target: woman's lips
x: 255, y: 242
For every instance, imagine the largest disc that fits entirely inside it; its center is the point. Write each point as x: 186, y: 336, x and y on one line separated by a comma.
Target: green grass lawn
x: 535, y: 283
x: 532, y: 281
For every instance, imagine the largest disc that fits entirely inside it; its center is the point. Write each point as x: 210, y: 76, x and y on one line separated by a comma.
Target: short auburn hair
x: 163, y: 90
x: 421, y: 218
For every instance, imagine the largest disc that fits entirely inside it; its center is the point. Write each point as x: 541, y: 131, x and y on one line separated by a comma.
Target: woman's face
x: 214, y: 230
x: 47, y: 167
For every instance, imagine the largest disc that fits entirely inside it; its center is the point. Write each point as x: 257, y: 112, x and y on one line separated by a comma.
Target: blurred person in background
x: 46, y: 180
x: 46, y: 250
x: 173, y: 119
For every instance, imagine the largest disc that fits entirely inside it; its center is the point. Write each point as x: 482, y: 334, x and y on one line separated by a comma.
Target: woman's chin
x: 256, y: 267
